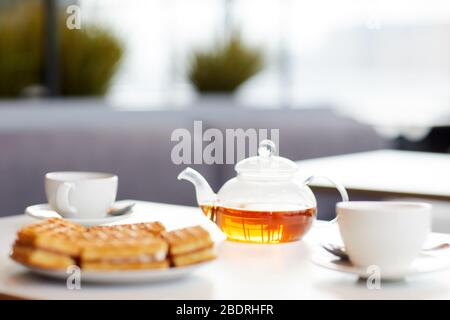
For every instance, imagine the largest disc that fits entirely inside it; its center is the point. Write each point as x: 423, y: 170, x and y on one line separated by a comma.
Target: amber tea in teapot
x: 242, y: 224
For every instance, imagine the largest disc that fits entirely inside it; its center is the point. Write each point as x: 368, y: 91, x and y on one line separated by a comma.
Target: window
x: 377, y: 59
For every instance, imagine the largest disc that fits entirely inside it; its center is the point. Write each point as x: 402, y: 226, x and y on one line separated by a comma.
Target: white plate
x: 422, y: 265
x: 138, y: 276
x: 43, y: 211
x: 129, y: 276
x: 124, y: 277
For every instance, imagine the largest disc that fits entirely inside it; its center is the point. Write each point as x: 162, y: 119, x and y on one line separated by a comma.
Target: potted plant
x: 218, y: 72
x: 88, y: 58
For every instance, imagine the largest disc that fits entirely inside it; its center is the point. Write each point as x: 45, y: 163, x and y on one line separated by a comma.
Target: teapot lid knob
x: 267, y: 163
x: 266, y: 148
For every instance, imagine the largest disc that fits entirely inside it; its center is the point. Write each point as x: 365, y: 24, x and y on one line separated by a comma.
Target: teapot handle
x: 337, y: 185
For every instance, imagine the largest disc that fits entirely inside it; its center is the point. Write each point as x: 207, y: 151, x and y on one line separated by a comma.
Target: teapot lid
x: 266, y: 163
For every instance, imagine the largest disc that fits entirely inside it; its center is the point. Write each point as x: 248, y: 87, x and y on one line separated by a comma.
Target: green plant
x: 225, y: 67
x: 21, y: 58
x: 88, y: 61
x: 88, y: 58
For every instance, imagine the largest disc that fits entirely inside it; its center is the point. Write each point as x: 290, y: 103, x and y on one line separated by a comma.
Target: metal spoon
x: 120, y: 211
x: 339, y: 251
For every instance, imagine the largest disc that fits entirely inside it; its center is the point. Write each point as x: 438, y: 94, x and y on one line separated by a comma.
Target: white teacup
x: 386, y: 234
x: 82, y: 195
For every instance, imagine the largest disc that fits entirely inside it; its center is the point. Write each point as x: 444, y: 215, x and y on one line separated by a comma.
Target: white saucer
x: 43, y: 211
x: 424, y: 264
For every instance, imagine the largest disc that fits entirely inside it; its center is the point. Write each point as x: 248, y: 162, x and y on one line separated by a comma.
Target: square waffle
x: 55, y: 235
x: 41, y: 258
x: 155, y: 228
x: 189, y: 245
x: 121, y: 248
x: 52, y: 244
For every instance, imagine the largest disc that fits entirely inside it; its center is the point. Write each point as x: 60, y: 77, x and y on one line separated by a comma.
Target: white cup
x: 82, y: 195
x: 385, y: 234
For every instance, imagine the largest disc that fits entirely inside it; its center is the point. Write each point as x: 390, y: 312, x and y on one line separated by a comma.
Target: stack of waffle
x: 189, y: 245
x: 54, y: 244
x: 58, y: 244
x: 124, y: 247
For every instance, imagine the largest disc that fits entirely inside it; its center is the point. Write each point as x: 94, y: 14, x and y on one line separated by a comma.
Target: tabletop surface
x: 242, y: 271
x: 386, y: 171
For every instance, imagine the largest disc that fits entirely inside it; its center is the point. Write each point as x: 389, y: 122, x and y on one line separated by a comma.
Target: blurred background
x: 101, y: 84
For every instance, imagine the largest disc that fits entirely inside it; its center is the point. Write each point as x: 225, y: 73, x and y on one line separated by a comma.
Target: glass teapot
x: 265, y: 203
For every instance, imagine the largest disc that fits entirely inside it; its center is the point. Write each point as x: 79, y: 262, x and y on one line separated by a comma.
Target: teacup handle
x: 62, y: 198
x: 336, y: 184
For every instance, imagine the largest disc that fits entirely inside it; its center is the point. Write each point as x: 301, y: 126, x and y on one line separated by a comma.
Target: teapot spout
x: 203, y: 191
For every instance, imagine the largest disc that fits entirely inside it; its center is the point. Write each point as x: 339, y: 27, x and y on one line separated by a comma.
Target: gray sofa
x: 136, y: 146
